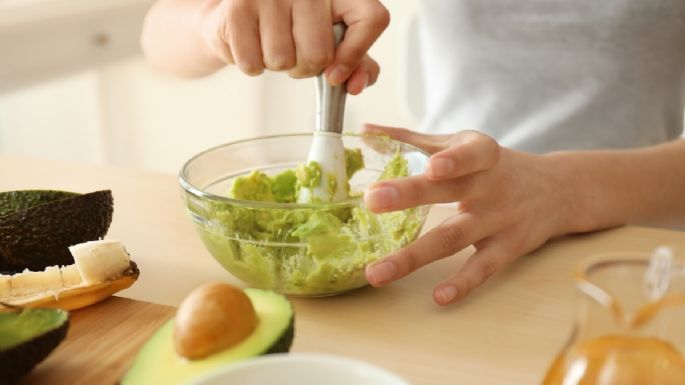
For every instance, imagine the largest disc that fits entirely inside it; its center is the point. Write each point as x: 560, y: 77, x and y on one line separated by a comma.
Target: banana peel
x: 77, y: 297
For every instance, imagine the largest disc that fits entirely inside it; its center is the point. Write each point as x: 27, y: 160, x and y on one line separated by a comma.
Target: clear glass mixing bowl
x: 258, y: 242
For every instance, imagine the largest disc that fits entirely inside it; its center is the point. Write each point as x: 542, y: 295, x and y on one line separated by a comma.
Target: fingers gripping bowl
x: 273, y: 243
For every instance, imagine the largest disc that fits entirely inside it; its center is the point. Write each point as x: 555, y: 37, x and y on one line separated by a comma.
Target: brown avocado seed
x: 212, y: 318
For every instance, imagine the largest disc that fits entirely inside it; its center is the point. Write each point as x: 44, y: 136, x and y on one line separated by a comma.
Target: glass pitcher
x: 630, y: 328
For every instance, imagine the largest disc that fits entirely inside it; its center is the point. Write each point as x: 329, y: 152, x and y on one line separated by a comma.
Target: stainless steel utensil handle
x: 330, y: 100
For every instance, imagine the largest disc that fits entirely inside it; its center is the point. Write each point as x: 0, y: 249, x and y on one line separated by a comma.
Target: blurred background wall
x: 74, y: 86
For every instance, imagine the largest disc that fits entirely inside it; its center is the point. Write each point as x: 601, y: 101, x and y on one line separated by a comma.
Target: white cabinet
x: 43, y: 39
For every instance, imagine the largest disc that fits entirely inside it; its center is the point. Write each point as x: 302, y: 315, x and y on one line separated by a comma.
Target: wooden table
x: 505, y: 333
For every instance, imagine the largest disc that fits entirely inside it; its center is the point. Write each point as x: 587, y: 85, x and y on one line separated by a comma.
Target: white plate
x: 300, y: 369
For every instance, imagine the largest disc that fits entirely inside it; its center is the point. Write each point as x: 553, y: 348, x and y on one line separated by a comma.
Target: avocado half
x: 38, y: 226
x: 27, y: 337
x: 158, y: 363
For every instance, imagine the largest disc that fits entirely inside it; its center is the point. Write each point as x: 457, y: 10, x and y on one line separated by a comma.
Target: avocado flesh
x: 27, y: 337
x: 158, y: 363
x: 39, y: 235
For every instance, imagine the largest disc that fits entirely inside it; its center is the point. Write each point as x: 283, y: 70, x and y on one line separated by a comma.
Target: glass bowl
x: 291, y: 248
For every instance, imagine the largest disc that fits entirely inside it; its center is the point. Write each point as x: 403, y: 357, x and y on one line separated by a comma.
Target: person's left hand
x: 508, y: 204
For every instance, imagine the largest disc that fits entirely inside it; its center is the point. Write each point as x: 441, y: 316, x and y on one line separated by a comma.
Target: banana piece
x: 100, y: 261
x: 76, y: 297
x: 71, y: 277
x: 52, y: 278
x: 101, y: 269
x: 4, y: 286
x: 30, y: 282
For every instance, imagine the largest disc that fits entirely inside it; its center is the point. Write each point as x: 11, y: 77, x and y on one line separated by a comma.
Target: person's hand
x: 509, y: 203
x: 296, y: 36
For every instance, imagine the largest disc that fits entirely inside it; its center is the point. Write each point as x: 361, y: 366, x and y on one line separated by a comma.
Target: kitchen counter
x: 505, y: 333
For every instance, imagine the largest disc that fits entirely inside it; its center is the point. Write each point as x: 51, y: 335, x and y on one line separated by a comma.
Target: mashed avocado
x: 304, y: 251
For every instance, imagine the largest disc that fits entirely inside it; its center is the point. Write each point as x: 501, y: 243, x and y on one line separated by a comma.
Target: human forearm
x: 172, y: 37
x: 611, y: 188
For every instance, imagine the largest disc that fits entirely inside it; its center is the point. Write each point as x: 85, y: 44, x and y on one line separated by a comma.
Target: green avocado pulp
x: 158, y: 363
x: 303, y: 251
x: 19, y: 327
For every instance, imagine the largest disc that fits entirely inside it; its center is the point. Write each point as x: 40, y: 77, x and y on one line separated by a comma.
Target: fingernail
x: 384, y: 197
x: 447, y: 294
x: 440, y: 167
x: 339, y: 74
x: 382, y: 273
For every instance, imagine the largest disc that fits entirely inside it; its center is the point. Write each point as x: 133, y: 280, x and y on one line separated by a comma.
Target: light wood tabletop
x: 505, y: 333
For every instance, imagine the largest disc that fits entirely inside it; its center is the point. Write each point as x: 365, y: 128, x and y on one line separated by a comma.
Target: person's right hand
x: 296, y: 36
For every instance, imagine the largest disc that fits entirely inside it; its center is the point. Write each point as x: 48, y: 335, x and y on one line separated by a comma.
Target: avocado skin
x: 11, y: 201
x: 17, y: 361
x: 285, y: 342
x: 37, y: 237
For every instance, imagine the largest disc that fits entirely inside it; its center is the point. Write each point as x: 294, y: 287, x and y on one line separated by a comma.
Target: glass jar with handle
x: 630, y: 327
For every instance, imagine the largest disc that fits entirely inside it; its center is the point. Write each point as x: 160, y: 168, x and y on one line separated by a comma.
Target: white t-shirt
x: 543, y: 75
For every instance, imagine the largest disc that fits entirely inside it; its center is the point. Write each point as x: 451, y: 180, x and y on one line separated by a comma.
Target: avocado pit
x: 212, y: 318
